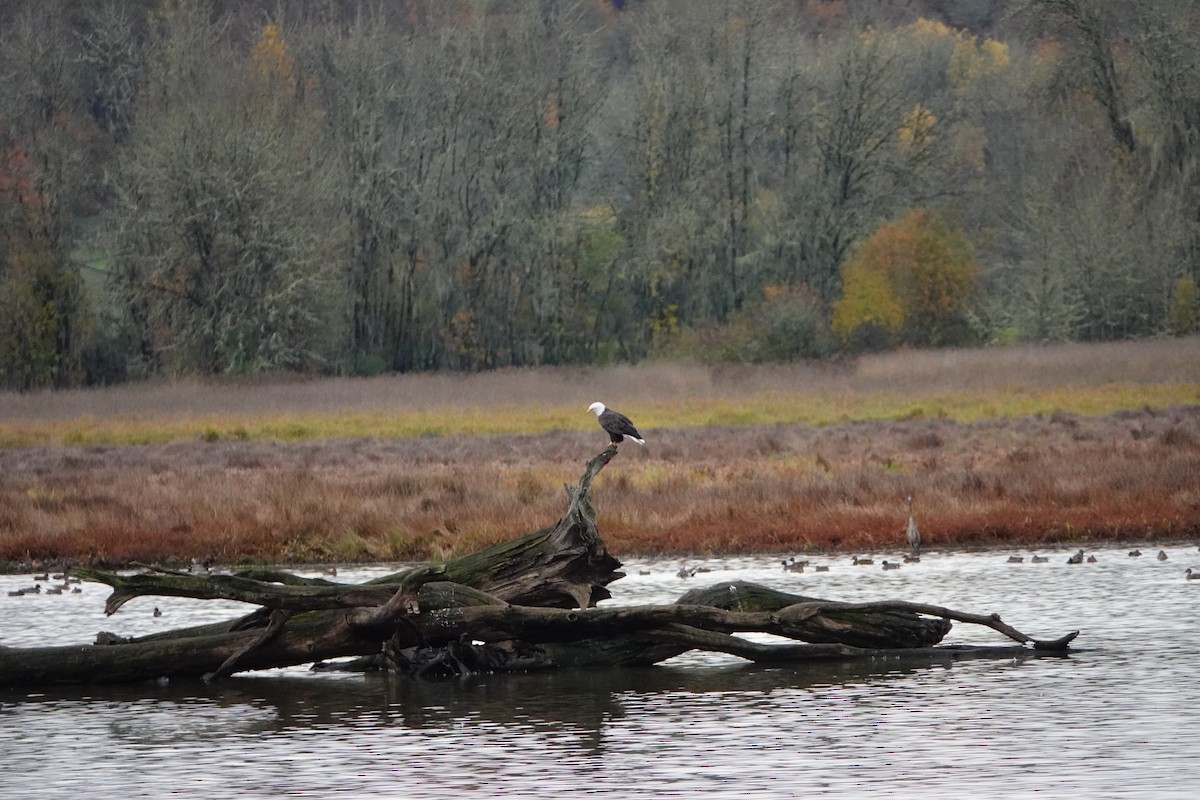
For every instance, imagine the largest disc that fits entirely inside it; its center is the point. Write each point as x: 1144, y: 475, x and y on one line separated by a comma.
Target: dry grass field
x: 1026, y: 446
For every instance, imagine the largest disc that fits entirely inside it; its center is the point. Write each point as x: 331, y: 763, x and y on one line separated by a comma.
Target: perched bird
x: 1191, y: 575
x: 617, y: 425
x: 1162, y: 555
x: 1076, y: 559
x: 914, y: 535
x: 1040, y: 559
x: 1016, y: 559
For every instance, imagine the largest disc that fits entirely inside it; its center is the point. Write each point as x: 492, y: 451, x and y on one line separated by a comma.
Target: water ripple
x: 1110, y: 721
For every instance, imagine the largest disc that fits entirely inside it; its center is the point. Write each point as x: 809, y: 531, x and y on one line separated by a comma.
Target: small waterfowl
x: 685, y: 572
x: 912, y: 559
x: 643, y: 572
x: 157, y: 613
x: 54, y: 590
x: 1162, y: 555
x: 1016, y: 559
x: 792, y: 565
x: 1188, y: 573
x: 891, y: 564
x: 16, y: 593
x: 862, y: 562
x: 1040, y: 559
x: 1134, y: 553
x: 821, y: 568
x: 1076, y: 559
x: 1091, y: 559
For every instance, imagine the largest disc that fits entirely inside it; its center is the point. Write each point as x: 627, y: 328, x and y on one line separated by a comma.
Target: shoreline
x: 1045, y: 548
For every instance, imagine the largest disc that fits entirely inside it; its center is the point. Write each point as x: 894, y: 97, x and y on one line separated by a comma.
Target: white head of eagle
x: 617, y: 425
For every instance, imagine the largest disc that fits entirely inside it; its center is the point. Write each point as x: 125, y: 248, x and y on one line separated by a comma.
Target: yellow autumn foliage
x: 868, y: 299
x: 270, y: 59
x: 917, y: 128
x: 912, y: 281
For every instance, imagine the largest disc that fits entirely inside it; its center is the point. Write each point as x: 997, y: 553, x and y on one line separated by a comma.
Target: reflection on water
x: 1110, y: 720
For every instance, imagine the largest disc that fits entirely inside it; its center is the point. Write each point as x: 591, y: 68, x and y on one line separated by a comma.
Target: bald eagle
x: 616, y: 424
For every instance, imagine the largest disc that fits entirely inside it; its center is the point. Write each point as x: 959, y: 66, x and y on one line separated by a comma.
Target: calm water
x: 1116, y: 719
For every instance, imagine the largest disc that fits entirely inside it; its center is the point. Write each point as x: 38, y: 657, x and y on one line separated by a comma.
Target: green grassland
x: 766, y: 408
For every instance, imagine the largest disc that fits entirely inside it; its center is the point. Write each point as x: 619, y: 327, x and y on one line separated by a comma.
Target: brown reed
x: 785, y: 488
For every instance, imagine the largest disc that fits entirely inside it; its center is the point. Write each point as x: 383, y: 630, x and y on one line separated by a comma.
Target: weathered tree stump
x: 530, y: 603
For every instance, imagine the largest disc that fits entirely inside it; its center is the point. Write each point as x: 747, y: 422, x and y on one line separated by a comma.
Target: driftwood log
x: 529, y: 603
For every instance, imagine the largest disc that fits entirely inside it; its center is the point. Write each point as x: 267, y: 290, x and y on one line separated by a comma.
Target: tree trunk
x: 525, y: 604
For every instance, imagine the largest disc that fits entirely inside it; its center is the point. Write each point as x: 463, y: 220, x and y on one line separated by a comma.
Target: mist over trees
x: 203, y: 187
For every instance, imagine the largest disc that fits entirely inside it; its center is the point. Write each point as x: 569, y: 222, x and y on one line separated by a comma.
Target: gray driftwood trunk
x: 529, y: 603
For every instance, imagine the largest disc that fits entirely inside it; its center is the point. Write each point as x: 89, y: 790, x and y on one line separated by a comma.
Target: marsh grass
x: 1034, y: 481
x: 779, y: 459
x: 963, y: 385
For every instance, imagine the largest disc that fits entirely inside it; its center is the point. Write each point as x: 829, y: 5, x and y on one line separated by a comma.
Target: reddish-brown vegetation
x: 1052, y: 477
x: 1037, y: 480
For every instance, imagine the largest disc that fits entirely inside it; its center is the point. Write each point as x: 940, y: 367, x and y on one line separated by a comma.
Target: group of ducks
x: 1078, y: 558
x: 792, y: 565
x: 68, y: 585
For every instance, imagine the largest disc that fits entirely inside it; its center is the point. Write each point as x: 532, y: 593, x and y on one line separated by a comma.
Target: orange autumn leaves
x: 911, y: 283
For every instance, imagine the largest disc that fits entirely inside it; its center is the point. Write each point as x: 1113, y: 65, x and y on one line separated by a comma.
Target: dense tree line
x: 195, y: 186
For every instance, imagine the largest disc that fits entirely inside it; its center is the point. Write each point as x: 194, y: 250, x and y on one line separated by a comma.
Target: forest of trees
x: 210, y: 186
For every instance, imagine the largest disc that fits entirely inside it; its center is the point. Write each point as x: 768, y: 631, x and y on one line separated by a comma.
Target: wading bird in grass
x: 616, y: 424
x: 914, y: 535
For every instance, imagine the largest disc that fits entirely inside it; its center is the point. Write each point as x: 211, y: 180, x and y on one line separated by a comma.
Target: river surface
x: 1116, y: 718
